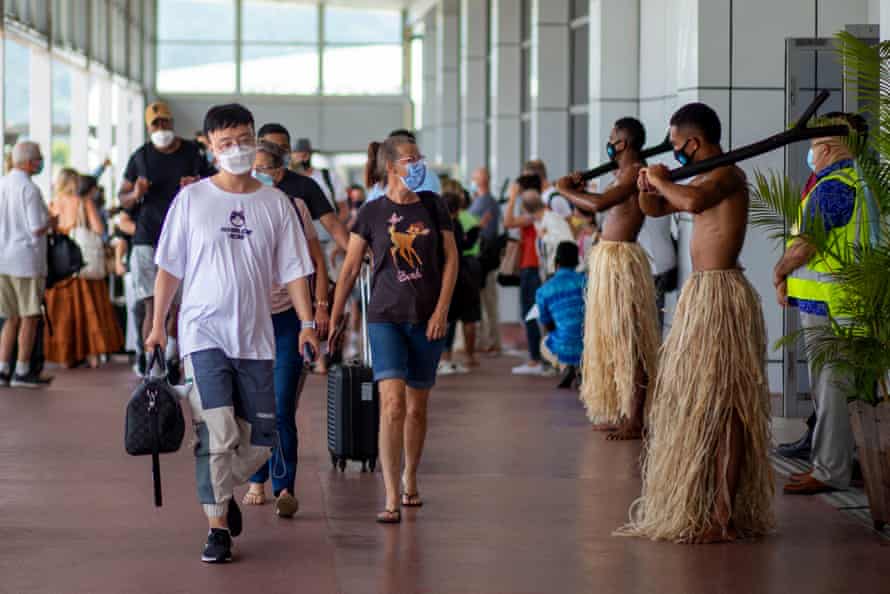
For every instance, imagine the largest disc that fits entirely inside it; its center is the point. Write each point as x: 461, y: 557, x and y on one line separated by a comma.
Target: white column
x: 885, y: 19
x: 2, y: 86
x: 102, y: 88
x: 505, y: 149
x: 550, y: 85
x: 614, y: 70
x: 429, y: 133
x: 447, y: 80
x: 80, y: 129
x: 41, y: 113
x: 473, y: 85
x: 122, y: 139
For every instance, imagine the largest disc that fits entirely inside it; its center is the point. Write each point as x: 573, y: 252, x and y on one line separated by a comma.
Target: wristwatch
x: 310, y: 324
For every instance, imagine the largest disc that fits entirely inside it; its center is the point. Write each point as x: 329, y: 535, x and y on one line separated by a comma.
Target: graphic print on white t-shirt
x: 237, y: 228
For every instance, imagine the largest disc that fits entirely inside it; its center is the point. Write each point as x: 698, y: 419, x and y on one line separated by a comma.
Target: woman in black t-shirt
x: 415, y: 268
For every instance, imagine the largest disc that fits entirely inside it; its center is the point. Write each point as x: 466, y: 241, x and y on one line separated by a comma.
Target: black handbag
x: 154, y: 422
x: 63, y: 257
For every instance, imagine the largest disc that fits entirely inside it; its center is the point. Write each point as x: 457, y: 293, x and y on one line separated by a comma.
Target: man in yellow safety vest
x: 803, y: 279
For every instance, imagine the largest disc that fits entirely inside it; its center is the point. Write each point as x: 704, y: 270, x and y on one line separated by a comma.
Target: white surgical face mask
x: 162, y: 138
x: 238, y: 160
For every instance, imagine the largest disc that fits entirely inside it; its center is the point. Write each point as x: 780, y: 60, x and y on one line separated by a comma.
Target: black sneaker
x: 233, y: 518
x: 4, y: 380
x: 30, y: 380
x: 218, y: 548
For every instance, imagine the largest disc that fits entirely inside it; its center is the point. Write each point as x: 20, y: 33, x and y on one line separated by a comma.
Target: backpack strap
x: 326, y: 175
x: 427, y: 201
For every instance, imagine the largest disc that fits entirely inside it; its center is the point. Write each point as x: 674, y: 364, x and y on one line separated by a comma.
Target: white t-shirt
x: 230, y: 250
x: 22, y: 212
x: 552, y: 230
x: 339, y: 196
x: 557, y: 203
x: 655, y: 238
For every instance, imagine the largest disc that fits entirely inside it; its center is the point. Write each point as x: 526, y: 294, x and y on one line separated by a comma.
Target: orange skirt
x: 83, y: 321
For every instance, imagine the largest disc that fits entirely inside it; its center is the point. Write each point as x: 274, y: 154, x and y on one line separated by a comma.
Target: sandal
x: 411, y: 500
x: 389, y: 516
x: 252, y: 498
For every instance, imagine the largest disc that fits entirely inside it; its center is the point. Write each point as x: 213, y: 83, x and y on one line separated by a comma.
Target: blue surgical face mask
x: 474, y: 188
x: 287, y: 161
x: 416, y: 175
x: 810, y: 160
x: 39, y: 169
x: 264, y: 178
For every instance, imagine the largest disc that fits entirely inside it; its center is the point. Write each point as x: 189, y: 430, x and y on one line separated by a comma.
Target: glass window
x: 61, y: 114
x: 352, y: 25
x: 16, y: 93
x: 279, y: 69
x: 187, y: 68
x: 580, y: 75
x: 363, y: 70
x: 196, y: 20
x: 272, y: 20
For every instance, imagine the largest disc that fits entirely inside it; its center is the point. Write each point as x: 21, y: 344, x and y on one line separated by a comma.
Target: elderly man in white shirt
x: 24, y: 223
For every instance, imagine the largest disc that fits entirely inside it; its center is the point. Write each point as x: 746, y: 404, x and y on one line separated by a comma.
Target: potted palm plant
x: 859, y: 344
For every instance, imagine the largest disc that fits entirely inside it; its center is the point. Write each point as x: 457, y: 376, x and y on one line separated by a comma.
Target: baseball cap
x: 303, y: 146
x: 156, y: 110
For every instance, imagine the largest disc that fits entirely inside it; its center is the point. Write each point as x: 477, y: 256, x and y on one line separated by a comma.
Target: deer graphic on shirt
x: 403, y: 242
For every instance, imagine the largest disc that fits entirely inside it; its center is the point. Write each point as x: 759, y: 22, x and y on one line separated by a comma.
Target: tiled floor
x: 521, y: 497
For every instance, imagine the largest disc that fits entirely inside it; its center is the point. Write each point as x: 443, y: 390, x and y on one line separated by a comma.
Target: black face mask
x: 682, y: 157
x: 357, y: 204
x: 307, y: 164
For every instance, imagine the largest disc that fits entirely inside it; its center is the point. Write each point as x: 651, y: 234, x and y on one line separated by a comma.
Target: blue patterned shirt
x: 561, y: 303
x: 834, y: 201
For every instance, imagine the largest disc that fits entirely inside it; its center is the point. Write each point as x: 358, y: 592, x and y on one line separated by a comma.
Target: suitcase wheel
x: 342, y: 464
x: 333, y: 460
x: 372, y: 464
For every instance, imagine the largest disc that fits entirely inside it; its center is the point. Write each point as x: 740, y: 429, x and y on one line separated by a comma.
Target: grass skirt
x: 712, y: 366
x: 620, y: 329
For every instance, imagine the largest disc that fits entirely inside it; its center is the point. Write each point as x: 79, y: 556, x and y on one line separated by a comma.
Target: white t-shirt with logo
x: 230, y: 250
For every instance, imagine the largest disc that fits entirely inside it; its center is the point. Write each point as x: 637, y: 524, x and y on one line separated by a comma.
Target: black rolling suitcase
x: 354, y: 402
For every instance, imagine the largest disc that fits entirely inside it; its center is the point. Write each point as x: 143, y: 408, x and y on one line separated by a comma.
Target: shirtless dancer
x: 706, y: 476
x: 621, y: 335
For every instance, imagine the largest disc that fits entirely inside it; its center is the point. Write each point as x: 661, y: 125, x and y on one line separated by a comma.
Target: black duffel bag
x: 63, y: 257
x: 154, y: 423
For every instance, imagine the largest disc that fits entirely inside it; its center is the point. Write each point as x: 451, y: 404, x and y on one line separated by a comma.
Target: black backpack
x: 63, y: 257
x: 154, y: 423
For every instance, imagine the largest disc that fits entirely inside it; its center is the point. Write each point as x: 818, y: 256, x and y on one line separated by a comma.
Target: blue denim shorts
x: 402, y: 351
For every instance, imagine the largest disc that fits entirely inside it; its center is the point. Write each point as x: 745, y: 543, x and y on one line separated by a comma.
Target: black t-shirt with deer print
x: 406, y: 247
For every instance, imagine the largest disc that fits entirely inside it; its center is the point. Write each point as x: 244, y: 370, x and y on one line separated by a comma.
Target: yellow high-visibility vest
x: 815, y: 280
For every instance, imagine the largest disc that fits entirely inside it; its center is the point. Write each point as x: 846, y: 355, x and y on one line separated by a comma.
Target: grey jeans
x: 832, y: 448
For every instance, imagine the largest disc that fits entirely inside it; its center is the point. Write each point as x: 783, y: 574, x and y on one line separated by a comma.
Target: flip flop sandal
x: 411, y: 500
x: 389, y: 516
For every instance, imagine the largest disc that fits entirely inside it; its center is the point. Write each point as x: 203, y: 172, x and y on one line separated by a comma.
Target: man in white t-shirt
x: 24, y: 223
x: 229, y: 240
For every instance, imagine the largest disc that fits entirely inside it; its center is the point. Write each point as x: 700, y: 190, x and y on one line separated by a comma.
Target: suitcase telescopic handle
x: 365, y: 299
